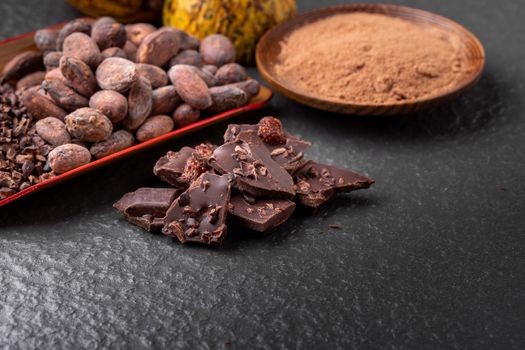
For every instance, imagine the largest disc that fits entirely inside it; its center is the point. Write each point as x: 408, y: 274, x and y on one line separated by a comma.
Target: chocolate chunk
x: 181, y: 168
x: 256, y: 172
x: 199, y: 214
x: 261, y: 215
x: 289, y: 155
x: 316, y: 183
x: 146, y: 207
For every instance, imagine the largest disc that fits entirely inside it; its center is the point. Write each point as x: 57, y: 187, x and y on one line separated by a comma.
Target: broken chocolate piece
x: 199, y: 214
x: 146, y: 207
x: 316, y: 183
x: 256, y: 172
x: 261, y: 215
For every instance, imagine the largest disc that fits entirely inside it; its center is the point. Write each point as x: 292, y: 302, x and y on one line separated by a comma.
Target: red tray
x: 12, y: 46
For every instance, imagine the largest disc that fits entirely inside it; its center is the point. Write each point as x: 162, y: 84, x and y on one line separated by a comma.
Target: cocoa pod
x: 230, y: 73
x: 64, y: 96
x: 158, y: 47
x: 139, y: 104
x: 154, y: 127
x: 190, y: 86
x: 55, y: 74
x: 80, y: 25
x: 131, y: 51
x: 189, y: 57
x: 46, y: 39
x: 117, y: 74
x: 32, y: 79
x: 107, y: 32
x: 68, y: 157
x: 217, y: 49
x: 164, y: 100
x: 118, y: 141
x: 52, y: 59
x: 81, y: 46
x: 156, y: 76
x: 23, y: 64
x: 79, y: 76
x: 39, y: 106
x: 88, y: 124
x: 226, y: 97
x: 185, y: 115
x: 138, y: 31
x: 53, y: 131
x: 114, y: 52
x: 210, y: 68
x: 251, y: 87
x: 111, y: 103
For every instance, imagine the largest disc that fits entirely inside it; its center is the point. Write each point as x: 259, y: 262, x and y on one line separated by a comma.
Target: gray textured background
x: 431, y: 257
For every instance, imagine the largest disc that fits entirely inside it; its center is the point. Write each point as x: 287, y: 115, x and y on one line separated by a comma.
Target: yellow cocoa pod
x: 124, y: 11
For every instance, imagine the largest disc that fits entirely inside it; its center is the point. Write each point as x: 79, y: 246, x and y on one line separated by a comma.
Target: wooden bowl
x: 269, y: 47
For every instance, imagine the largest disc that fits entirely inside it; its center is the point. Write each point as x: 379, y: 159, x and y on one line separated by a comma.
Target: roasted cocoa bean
x: 32, y: 79
x: 114, y: 52
x: 81, y: 46
x: 217, y: 49
x: 131, y: 51
x: 208, y: 78
x: 188, y: 42
x: 164, y: 100
x: 230, y: 73
x: 46, y: 39
x: 108, y: 33
x: 158, y: 47
x: 111, y: 103
x: 155, y: 126
x: 55, y: 74
x: 190, y: 57
x: 251, y: 87
x: 156, y: 76
x: 80, y: 25
x: 210, y: 68
x: 68, y: 157
x: 139, y: 103
x: 23, y: 64
x: 185, y: 115
x: 52, y: 59
x: 138, y: 31
x: 117, y: 74
x: 53, y: 131
x: 79, y: 76
x: 118, y: 141
x: 190, y: 86
x: 40, y: 107
x: 64, y: 96
x: 88, y: 124
x: 226, y: 97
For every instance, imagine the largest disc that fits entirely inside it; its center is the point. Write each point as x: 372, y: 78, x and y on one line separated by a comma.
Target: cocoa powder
x: 371, y: 59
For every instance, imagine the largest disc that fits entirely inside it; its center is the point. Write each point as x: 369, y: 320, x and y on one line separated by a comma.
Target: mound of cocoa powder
x: 371, y: 59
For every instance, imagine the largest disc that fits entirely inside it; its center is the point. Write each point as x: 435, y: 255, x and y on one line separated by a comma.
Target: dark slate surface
x: 431, y: 257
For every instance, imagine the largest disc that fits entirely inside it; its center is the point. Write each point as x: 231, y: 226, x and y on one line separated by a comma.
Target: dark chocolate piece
x: 199, y: 214
x: 181, y: 168
x: 316, y: 183
x: 261, y: 215
x: 255, y: 171
x: 146, y: 207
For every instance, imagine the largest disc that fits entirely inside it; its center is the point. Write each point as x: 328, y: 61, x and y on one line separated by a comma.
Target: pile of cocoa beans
x: 97, y: 87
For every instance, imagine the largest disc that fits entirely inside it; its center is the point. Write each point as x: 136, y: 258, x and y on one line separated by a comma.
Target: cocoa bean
x: 53, y: 131
x: 164, y: 100
x: 208, y: 78
x: 188, y: 42
x: 68, y: 157
x: 88, y: 124
x: 117, y: 74
x: 230, y: 73
x: 40, y: 107
x: 158, y: 47
x: 138, y: 31
x: 32, y: 79
x: 23, y: 64
x: 52, y: 59
x: 251, y: 87
x: 226, y: 97
x: 118, y: 141
x: 81, y: 46
x: 190, y: 86
x: 185, y: 115
x: 210, y: 68
x: 107, y: 32
x: 139, y: 103
x: 190, y: 57
x: 80, y: 25
x: 154, y: 127
x: 46, y: 39
x: 131, y: 51
x: 111, y: 103
x: 217, y: 49
x: 114, y: 52
x: 156, y: 76
x: 55, y: 74
x: 79, y: 76
x: 64, y: 96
